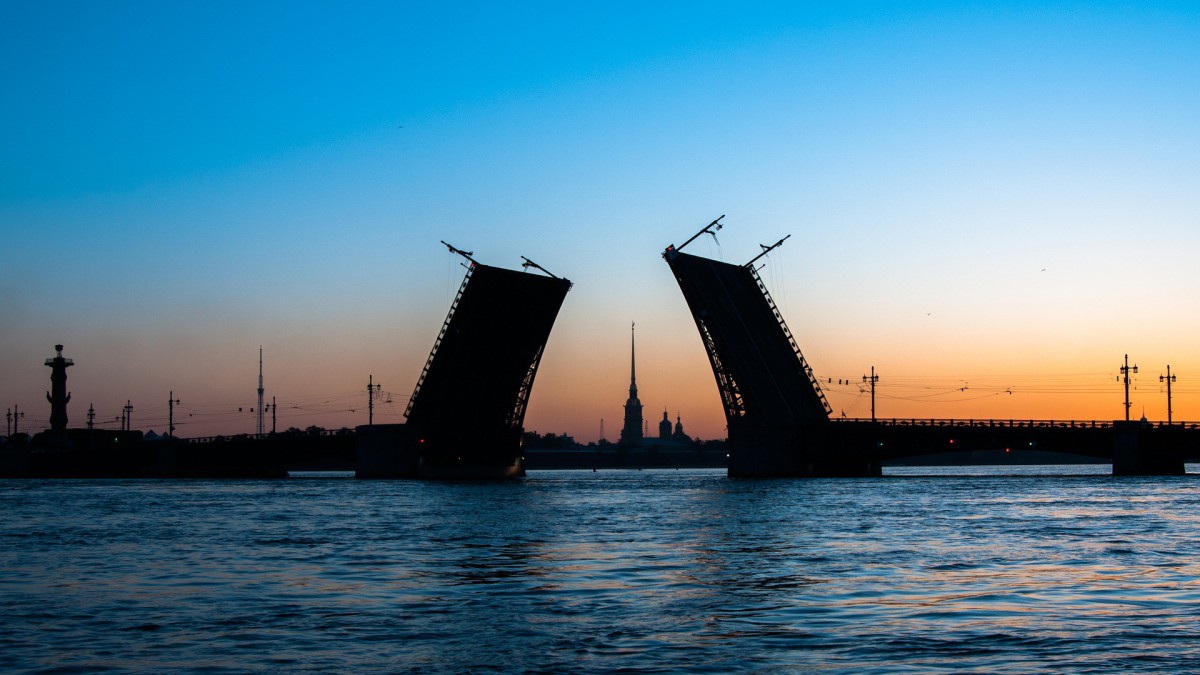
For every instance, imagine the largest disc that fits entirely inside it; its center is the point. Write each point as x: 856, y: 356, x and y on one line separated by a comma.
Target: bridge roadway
x: 1133, y: 447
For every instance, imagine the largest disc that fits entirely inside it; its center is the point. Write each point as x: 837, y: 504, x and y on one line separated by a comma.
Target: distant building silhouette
x: 631, y: 433
x: 58, y: 395
x: 635, y: 433
x: 679, y: 436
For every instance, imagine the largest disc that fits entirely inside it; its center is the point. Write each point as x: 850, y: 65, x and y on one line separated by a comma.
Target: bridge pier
x: 1139, y: 449
x: 772, y: 463
x: 384, y: 451
x: 810, y: 451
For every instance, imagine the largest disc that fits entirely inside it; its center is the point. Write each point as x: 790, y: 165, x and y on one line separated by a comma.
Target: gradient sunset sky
x: 983, y: 198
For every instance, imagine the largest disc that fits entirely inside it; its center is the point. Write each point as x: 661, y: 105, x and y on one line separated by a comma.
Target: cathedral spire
x: 632, y: 433
x: 632, y: 361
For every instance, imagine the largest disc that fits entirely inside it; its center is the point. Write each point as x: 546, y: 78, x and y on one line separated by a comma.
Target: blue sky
x: 183, y: 182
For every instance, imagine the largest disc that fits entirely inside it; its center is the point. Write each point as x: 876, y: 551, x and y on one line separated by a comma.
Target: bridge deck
x: 1032, y: 423
x: 1133, y: 447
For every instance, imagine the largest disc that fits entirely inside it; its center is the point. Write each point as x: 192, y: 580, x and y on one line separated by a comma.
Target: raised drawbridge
x: 467, y: 411
x: 777, y: 415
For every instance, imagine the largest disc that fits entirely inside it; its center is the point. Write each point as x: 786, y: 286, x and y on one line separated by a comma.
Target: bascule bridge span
x: 466, y: 416
x: 779, y: 421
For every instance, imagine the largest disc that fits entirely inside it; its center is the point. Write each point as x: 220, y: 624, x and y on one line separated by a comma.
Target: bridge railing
x: 277, y: 435
x: 438, y: 342
x: 808, y: 371
x: 1007, y: 424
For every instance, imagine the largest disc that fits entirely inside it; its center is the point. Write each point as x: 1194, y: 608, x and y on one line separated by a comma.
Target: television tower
x: 259, y: 431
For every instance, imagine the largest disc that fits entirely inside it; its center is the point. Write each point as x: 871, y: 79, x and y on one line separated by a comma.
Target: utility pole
x: 91, y: 416
x: 1168, y: 378
x: 872, y: 379
x: 258, y: 431
x: 274, y: 409
x: 128, y: 415
x: 1125, y: 370
x: 8, y: 422
x: 372, y: 392
x: 171, y: 403
x: 15, y: 415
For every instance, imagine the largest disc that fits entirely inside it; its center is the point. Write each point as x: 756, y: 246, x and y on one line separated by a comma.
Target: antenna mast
x: 259, y: 429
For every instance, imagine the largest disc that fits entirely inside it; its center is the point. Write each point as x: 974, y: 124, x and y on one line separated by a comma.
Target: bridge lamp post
x: 372, y: 393
x: 1125, y: 370
x: 1168, y: 378
x: 872, y: 379
x: 171, y: 403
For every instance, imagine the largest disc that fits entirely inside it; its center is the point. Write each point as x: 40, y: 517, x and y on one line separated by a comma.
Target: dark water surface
x: 650, y: 571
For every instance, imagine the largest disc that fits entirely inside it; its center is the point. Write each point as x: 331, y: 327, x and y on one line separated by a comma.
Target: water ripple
x: 654, y: 571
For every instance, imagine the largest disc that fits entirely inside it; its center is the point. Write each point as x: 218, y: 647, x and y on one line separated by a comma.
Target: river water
x: 648, y: 571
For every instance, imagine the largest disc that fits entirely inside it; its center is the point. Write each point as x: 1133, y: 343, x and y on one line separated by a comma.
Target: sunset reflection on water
x: 582, y: 571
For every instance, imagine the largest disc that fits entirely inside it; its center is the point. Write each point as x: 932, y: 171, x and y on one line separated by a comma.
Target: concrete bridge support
x: 1140, y: 449
x: 385, y: 451
x: 818, y: 450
